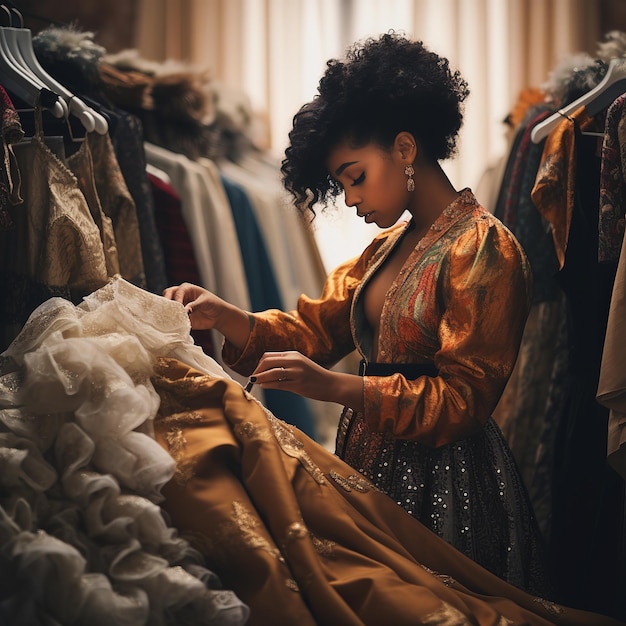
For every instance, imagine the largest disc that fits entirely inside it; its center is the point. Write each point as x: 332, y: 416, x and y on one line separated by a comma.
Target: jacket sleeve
x: 485, y: 294
x: 318, y: 328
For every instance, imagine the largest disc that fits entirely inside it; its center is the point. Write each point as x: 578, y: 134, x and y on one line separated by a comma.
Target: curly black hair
x: 384, y: 85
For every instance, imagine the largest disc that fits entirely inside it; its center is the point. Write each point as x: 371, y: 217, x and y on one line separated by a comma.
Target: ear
x: 405, y: 144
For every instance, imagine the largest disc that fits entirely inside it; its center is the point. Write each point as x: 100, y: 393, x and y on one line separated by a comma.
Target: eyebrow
x: 343, y: 166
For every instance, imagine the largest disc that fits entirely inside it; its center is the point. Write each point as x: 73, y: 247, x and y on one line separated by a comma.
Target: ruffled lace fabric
x: 82, y: 537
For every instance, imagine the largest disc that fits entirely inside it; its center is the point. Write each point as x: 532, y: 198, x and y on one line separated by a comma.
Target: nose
x: 351, y: 198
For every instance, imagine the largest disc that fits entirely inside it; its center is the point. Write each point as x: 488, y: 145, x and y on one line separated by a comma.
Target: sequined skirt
x: 469, y: 492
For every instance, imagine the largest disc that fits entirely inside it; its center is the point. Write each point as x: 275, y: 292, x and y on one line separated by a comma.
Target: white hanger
x: 90, y: 118
x: 18, y: 81
x: 10, y: 39
x: 601, y: 96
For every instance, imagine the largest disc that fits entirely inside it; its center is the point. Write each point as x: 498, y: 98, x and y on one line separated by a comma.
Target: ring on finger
x: 283, y: 375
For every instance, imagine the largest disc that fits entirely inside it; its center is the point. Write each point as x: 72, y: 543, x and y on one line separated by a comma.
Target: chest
x: 375, y: 292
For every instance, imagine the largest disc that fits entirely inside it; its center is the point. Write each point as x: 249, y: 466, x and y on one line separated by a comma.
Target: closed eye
x: 359, y: 180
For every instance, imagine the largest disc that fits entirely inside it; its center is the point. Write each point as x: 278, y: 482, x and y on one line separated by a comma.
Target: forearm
x: 235, y: 324
x: 344, y: 389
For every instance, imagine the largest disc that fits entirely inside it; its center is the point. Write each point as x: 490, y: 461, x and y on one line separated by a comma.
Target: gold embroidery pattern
x: 551, y: 607
x: 354, y: 482
x: 294, y: 448
x: 231, y: 535
x: 444, y: 578
x: 324, y: 547
x: 295, y: 530
x: 251, y: 431
x: 447, y: 615
x: 183, y: 387
x: 292, y: 584
x: 176, y: 443
x: 175, y: 437
x: 246, y: 523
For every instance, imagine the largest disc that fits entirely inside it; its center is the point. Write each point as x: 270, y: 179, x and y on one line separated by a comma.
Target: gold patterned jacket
x: 460, y: 302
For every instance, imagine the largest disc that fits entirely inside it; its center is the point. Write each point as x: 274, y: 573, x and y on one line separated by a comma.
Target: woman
x: 435, y: 305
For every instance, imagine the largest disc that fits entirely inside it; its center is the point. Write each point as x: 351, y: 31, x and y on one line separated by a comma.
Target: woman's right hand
x: 206, y: 310
x: 203, y: 307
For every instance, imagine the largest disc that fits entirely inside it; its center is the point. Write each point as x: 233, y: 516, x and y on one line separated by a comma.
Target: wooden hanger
x: 600, y: 97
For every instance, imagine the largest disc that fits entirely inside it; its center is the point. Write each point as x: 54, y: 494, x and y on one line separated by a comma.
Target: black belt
x: 410, y: 371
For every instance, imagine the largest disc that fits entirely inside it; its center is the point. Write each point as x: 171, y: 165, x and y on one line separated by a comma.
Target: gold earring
x: 410, y: 183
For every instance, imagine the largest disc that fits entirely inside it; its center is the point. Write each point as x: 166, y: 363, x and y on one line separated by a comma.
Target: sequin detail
x: 484, y: 514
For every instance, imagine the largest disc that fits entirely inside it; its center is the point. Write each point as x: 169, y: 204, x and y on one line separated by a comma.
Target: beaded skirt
x: 469, y: 492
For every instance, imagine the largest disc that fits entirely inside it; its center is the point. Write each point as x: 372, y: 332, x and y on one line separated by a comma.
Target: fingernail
x: 253, y: 379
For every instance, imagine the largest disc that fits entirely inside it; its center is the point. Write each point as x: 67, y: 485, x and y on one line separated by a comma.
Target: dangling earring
x: 410, y: 183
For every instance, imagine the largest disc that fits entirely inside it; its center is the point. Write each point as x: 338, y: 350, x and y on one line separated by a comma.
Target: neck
x: 434, y: 192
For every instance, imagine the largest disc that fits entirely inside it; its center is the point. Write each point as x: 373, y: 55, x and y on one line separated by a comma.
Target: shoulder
x: 482, y: 232
x: 484, y: 250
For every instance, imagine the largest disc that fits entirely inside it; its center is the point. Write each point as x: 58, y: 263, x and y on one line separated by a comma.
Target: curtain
x: 275, y: 51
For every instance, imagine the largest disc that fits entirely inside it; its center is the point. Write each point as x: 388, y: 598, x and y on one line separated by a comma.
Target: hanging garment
x: 587, y: 495
x: 11, y: 132
x: 119, y: 206
x: 264, y: 294
x: 293, y: 258
x: 525, y: 412
x: 127, y: 139
x: 55, y: 247
x: 210, y: 224
x: 612, y: 379
x: 61, y: 245
x: 612, y: 218
x: 322, y: 546
x: 82, y: 165
x: 178, y: 253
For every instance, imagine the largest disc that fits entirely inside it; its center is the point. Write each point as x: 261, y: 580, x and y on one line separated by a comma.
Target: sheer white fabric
x: 83, y: 538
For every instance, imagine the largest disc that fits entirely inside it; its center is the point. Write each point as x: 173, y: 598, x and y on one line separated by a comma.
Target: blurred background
x: 273, y: 53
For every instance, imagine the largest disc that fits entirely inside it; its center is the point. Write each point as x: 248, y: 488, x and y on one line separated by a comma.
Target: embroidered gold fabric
x: 294, y: 447
x: 299, y: 551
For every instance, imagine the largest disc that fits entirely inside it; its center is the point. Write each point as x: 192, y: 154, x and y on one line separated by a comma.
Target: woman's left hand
x: 292, y: 371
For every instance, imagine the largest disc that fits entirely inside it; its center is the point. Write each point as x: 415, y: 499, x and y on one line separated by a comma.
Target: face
x: 373, y: 181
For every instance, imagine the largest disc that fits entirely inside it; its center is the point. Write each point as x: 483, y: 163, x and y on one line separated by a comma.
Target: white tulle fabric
x: 82, y: 538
